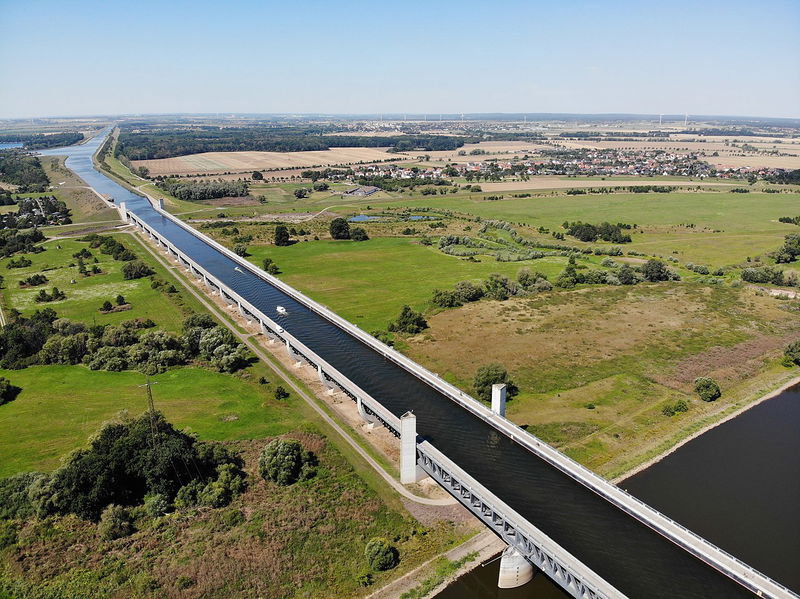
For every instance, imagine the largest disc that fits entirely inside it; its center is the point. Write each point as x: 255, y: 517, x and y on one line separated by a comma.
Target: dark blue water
x: 10, y: 144
x: 738, y: 485
x: 632, y: 557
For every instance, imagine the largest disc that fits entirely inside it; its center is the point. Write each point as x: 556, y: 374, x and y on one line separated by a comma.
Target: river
x: 628, y: 554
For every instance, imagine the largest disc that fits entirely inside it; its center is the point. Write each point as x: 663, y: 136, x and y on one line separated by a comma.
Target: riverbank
x: 738, y: 412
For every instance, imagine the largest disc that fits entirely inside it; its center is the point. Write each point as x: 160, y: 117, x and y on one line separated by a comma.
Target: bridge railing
x: 392, y: 421
x: 706, y: 551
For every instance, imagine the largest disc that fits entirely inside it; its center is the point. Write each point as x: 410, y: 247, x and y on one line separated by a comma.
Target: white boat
x: 280, y: 309
x: 236, y: 268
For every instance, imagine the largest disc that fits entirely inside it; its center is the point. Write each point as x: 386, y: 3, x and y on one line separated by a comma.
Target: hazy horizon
x: 86, y: 58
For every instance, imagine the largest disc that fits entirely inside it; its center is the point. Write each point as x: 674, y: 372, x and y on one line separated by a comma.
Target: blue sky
x: 708, y: 57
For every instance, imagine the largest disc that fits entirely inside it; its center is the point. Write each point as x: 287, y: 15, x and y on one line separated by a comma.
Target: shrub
x: 8, y: 392
x: 445, y: 299
x: 626, y: 275
x: 240, y: 249
x: 221, y: 491
x: 284, y: 461
x: 655, y: 270
x: 381, y: 555
x: 115, y: 523
x: 156, y: 504
x: 359, y: 234
x: 707, y: 388
x: 409, y: 321
x: 466, y: 291
x: 281, y: 393
x: 792, y: 352
x: 763, y: 274
x: 107, y: 307
x: 492, y: 374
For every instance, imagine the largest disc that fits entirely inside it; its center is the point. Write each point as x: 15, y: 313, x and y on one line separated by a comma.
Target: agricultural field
x: 209, y: 163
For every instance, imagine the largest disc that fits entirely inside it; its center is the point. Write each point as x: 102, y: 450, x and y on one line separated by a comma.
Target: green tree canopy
x: 492, y: 374
x: 340, y: 229
x: 285, y: 462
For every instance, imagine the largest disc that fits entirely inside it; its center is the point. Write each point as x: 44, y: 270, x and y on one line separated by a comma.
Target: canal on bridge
x: 628, y: 554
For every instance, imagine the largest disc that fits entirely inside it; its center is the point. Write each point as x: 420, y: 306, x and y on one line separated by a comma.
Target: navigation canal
x: 629, y: 555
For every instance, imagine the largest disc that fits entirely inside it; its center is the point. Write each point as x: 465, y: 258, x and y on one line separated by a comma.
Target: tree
x: 626, y: 275
x: 120, y: 300
x: 445, y: 299
x: 240, y: 249
x: 282, y: 235
x: 136, y: 269
x: 107, y: 307
x: 381, y: 555
x: 257, y: 176
x: 467, y: 291
x: 655, y: 270
x: 707, y: 388
x: 498, y: 287
x: 321, y: 186
x: 301, y: 193
x: 265, y: 264
x: 340, y: 229
x: 359, y: 234
x: 285, y: 461
x: 409, y: 321
x: 492, y: 374
x: 281, y: 393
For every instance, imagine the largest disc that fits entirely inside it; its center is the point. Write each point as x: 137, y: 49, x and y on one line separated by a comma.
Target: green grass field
x: 87, y: 294
x: 60, y: 406
x: 728, y: 227
x: 369, y: 282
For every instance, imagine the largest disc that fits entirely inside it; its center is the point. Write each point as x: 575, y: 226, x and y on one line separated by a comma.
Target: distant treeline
x: 167, y: 143
x: 621, y: 136
x: 605, y: 231
x: 204, y: 190
x: 20, y: 169
x: 40, y: 141
x: 392, y: 184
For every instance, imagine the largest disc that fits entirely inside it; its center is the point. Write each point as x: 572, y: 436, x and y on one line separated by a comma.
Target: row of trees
x: 39, y: 141
x: 139, y: 142
x: 43, y: 338
x: 605, y: 231
x: 203, y: 190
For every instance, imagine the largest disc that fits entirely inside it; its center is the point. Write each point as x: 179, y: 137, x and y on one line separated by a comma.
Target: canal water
x: 629, y: 555
x: 6, y: 145
x: 737, y: 485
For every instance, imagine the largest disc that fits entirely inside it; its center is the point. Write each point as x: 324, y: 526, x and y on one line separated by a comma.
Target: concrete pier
x: 515, y: 570
x: 499, y: 399
x: 409, y: 471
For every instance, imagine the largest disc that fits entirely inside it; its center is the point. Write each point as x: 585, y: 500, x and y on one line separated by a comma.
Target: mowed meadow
x: 727, y: 227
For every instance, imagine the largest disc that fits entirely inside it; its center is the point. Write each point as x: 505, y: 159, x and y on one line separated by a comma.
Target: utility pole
x: 151, y: 409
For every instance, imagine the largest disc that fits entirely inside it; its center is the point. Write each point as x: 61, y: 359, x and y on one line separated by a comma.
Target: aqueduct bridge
x: 588, y: 535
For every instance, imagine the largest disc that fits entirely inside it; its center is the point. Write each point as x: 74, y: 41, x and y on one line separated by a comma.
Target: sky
x: 73, y: 57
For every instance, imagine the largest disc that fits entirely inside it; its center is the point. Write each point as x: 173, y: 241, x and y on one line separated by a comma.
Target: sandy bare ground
x: 218, y: 162
x: 547, y: 182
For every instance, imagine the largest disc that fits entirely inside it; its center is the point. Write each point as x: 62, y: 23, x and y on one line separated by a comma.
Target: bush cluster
x: 285, y: 461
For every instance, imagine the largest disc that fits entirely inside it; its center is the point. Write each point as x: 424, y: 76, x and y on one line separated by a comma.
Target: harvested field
x: 220, y: 162
x: 555, y: 182
x: 493, y: 149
